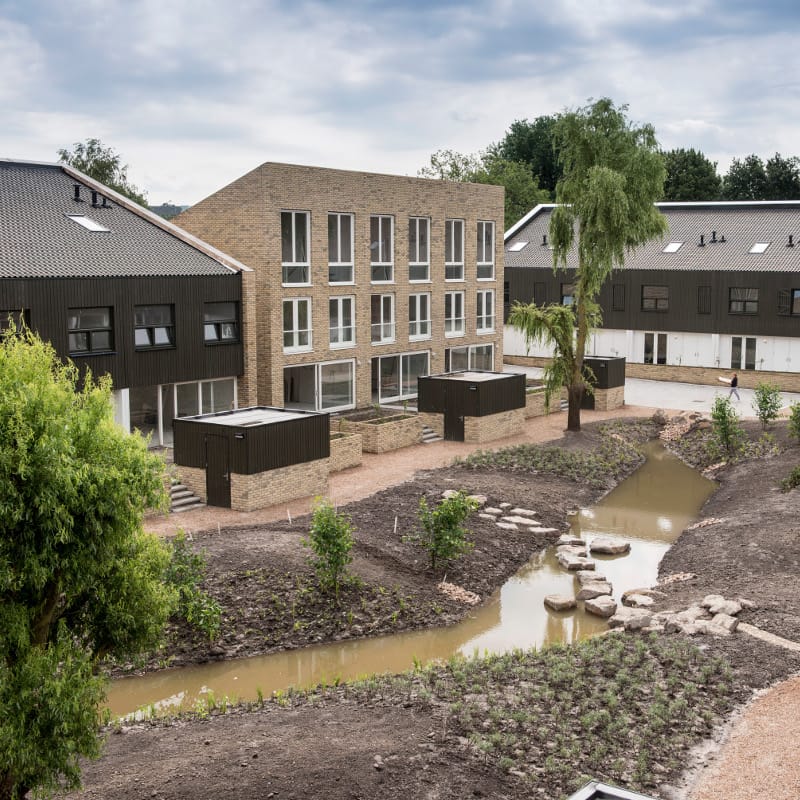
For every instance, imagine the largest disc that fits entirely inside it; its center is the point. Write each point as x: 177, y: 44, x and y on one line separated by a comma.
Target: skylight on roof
x: 517, y: 246
x: 760, y: 247
x: 672, y: 247
x: 88, y: 223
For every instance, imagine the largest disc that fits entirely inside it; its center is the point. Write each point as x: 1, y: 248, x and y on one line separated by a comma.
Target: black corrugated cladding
x: 439, y: 394
x: 609, y: 371
x: 48, y: 300
x: 254, y: 448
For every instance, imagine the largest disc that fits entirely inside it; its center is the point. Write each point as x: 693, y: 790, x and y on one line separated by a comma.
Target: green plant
x: 443, y: 534
x: 793, y: 480
x: 331, y: 539
x: 185, y: 571
x: 794, y: 420
x: 726, y: 426
x: 767, y: 402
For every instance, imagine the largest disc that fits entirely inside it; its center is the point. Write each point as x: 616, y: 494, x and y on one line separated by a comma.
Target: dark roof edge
x: 198, y: 244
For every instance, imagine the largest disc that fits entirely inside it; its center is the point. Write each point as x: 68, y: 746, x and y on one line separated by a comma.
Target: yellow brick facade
x: 346, y: 451
x: 244, y: 219
x: 384, y: 436
x: 493, y: 426
x: 251, y: 492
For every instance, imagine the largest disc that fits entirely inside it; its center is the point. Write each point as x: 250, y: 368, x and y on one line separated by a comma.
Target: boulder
x: 601, y: 606
x: 609, y: 547
x: 654, y: 593
x: 574, y: 563
x: 726, y: 621
x: 559, y: 602
x: 631, y: 619
x: 594, y: 589
x: 707, y: 626
x: 729, y: 607
x: 636, y: 600
x: 710, y: 599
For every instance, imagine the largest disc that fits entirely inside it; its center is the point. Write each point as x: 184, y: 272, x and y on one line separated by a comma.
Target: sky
x: 193, y: 94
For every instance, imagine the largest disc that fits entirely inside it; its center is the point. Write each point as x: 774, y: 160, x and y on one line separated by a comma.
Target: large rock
x: 567, y: 538
x: 574, y: 563
x: 594, y: 589
x: 601, y: 606
x: 636, y: 600
x: 559, y: 602
x: 571, y: 550
x: 631, y: 619
x: 609, y: 547
x: 729, y: 607
x: 725, y: 621
x: 585, y: 576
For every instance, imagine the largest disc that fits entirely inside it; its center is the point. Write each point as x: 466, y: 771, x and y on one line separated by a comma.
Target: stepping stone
x: 609, y: 547
x: 585, y: 576
x: 480, y: 499
x: 504, y: 506
x: 635, y: 600
x: 574, y: 563
x: 491, y: 510
x: 571, y: 550
x: 559, y: 602
x: 487, y: 516
x: 601, y: 606
x: 507, y: 526
x: 654, y: 593
x: 631, y: 619
x: 519, y: 520
x: 594, y: 589
x: 567, y: 538
x: 523, y: 512
x: 542, y: 530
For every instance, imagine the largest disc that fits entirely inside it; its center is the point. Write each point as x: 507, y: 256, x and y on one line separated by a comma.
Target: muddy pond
x: 649, y: 509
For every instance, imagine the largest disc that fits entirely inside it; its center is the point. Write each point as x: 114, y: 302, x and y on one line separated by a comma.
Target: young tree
x: 104, y: 165
x: 613, y: 173
x: 443, y: 533
x: 79, y: 580
x: 331, y: 539
x: 767, y: 403
x: 690, y: 176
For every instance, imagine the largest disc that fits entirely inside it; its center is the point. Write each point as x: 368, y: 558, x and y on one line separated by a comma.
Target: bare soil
x: 392, y: 748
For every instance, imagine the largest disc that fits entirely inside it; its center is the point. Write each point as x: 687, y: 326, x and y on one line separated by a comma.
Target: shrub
x: 792, y: 481
x: 767, y: 402
x: 443, y: 534
x: 331, y: 539
x: 727, y: 429
x: 794, y: 420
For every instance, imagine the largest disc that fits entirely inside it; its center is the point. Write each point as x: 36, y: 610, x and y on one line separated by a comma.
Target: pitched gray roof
x: 39, y: 240
x: 736, y: 227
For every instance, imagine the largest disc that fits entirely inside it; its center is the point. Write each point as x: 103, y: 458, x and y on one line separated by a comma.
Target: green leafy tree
x: 727, y: 429
x: 331, y: 539
x: 79, y: 580
x: 450, y: 165
x: 767, y: 403
x: 783, y: 178
x: 534, y: 144
x: 613, y: 173
x: 690, y: 176
x: 745, y: 180
x: 794, y: 421
x: 443, y: 533
x: 104, y: 165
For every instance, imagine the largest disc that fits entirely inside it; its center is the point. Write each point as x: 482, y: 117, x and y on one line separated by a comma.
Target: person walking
x: 734, y: 388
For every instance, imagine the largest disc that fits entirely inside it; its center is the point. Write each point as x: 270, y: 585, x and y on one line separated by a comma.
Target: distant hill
x: 167, y: 210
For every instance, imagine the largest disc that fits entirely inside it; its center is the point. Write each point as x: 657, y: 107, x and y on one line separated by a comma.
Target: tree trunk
x: 574, y: 395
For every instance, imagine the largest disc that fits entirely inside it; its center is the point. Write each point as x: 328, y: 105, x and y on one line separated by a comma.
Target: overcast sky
x: 194, y: 93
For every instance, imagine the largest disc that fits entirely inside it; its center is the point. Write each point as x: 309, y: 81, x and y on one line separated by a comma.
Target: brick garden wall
x: 385, y: 436
x: 346, y: 451
x: 493, y: 426
x: 251, y: 492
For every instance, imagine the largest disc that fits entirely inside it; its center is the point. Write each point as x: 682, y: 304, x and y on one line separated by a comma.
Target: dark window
x: 14, y: 319
x: 742, y: 300
x: 703, y: 299
x: 788, y: 302
x: 540, y: 293
x: 749, y: 361
x: 90, y: 330
x: 567, y: 294
x: 655, y: 348
x: 618, y: 297
x: 655, y: 298
x: 220, y: 323
x: 795, y: 301
x: 155, y: 326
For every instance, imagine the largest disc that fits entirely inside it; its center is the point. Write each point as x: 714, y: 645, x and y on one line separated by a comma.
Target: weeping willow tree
x: 613, y: 173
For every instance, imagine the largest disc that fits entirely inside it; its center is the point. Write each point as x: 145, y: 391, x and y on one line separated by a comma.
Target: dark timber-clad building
x: 720, y: 292
x: 120, y: 291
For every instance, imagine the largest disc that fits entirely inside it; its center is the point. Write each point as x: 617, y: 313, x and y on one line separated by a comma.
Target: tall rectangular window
x: 340, y: 248
x: 795, y: 301
x: 567, y: 294
x: 296, y: 325
x: 655, y: 348
x: 618, y: 297
x: 485, y: 250
x: 703, y: 299
x: 454, y: 313
x: 154, y: 326
x: 454, y: 249
x: 382, y: 318
x: 742, y: 300
x: 485, y: 321
x: 90, y: 330
x: 220, y: 323
x: 295, y: 259
x: 419, y: 316
x: 342, y: 322
x: 655, y: 298
x: 419, y: 259
x: 381, y: 249
x: 743, y: 352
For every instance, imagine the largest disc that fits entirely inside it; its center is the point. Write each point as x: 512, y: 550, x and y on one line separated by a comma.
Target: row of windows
x: 91, y: 330
x: 341, y: 312
x: 743, y: 350
x: 296, y: 251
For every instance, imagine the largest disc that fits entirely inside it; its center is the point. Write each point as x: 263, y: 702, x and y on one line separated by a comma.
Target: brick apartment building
x: 363, y: 282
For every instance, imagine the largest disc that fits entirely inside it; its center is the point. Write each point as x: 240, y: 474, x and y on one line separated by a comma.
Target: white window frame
x: 295, y: 329
x: 454, y: 324
x: 377, y: 258
x: 335, y: 259
x: 470, y: 350
x: 318, y: 385
x: 485, y: 311
x: 485, y: 261
x: 385, y: 329
x: 419, y: 323
x: 451, y: 264
x: 339, y: 327
x: 294, y: 263
x: 401, y: 360
x: 419, y: 259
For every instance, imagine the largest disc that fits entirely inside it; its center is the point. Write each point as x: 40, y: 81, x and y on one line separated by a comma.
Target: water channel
x: 648, y: 509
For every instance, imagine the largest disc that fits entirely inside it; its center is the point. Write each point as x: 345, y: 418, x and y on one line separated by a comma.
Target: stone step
x: 178, y: 487
x: 185, y: 501
x: 429, y: 435
x: 190, y: 507
x: 181, y: 494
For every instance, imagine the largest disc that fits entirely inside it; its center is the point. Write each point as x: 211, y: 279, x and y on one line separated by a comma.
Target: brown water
x: 649, y: 509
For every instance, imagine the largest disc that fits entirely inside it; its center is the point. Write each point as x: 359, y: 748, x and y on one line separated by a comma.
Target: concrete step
x: 429, y: 435
x: 191, y: 507
x: 182, y: 499
x: 185, y: 501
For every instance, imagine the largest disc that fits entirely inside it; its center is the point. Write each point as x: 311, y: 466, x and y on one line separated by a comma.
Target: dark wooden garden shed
x: 469, y: 393
x: 248, y: 441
